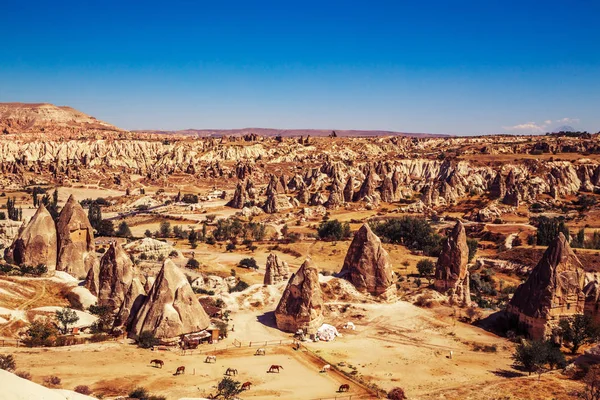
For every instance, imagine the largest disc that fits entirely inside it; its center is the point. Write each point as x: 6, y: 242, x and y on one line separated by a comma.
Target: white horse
x: 349, y: 325
x: 326, y: 368
x: 260, y: 352
x: 210, y: 359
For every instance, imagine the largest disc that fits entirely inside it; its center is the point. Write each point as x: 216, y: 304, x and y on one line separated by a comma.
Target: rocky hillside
x: 18, y: 118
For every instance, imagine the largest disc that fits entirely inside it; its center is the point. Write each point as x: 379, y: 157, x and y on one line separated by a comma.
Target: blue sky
x: 457, y: 67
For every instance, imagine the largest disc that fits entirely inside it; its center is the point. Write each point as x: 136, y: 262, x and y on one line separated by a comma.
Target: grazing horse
x: 275, y: 368
x: 157, y: 363
x: 260, y: 352
x: 246, y: 385
x: 180, y: 370
x: 231, y: 371
x: 325, y: 368
x: 210, y: 359
x: 344, y: 388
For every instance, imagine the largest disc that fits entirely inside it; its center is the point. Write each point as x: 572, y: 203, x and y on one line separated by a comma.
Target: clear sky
x: 458, y: 67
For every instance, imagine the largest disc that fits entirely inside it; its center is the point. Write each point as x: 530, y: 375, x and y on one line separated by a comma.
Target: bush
x: 426, y: 268
x: 98, y: 337
x: 333, y: 230
x: 472, y: 245
x: 248, y: 263
x: 83, y: 389
x: 139, y: 393
x: 41, y: 333
x: 7, y: 362
x: 146, y: 340
x: 23, y: 374
x: 228, y: 388
x: 52, y: 380
x: 192, y: 264
x: 230, y: 247
x: 396, y: 394
x: 190, y: 198
x: 239, y: 287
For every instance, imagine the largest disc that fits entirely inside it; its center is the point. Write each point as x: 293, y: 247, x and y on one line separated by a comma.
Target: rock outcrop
x: 451, y: 273
x: 115, y: 277
x: 76, y: 250
x: 239, y: 196
x: 170, y: 308
x: 276, y: 270
x: 37, y: 243
x: 134, y: 299
x: 553, y: 290
x: 301, y: 305
x: 367, y: 264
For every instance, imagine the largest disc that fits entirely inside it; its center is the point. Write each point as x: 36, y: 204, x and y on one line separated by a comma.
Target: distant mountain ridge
x: 286, y: 132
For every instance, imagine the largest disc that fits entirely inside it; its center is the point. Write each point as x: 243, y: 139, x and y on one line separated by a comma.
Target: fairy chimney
x: 553, y: 290
x: 134, y: 299
x: 276, y: 270
x: 301, y: 305
x: 36, y: 243
x: 171, y: 307
x: 76, y: 250
x: 367, y: 265
x: 115, y: 276
x: 451, y: 273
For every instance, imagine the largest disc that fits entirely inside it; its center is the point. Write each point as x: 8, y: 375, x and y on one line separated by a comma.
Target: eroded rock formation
x: 115, y: 277
x: 367, y: 264
x: 76, y: 250
x: 301, y: 305
x: 553, y: 290
x: 276, y: 270
x: 134, y: 299
x: 170, y: 308
x: 451, y: 273
x: 36, y: 243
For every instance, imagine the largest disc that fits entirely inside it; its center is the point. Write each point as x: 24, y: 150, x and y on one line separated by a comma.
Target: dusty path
x: 23, y: 306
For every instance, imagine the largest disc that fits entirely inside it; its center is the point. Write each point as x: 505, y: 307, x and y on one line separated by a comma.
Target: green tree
x: 578, y: 330
x: 105, y: 318
x: 333, y: 230
x: 165, y: 229
x: 66, y: 317
x: 535, y: 355
x: 228, y: 388
x: 426, y: 268
x: 549, y: 228
x: 95, y: 215
x: 106, y: 228
x: 472, y: 245
x: 40, y: 333
x: 248, y: 263
x: 146, y: 340
x: 192, y: 264
x: 123, y: 230
x: 193, y: 238
x: 415, y: 233
x: 148, y: 233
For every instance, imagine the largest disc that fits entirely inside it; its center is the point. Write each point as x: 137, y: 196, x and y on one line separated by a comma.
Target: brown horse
x: 246, y: 385
x: 231, y: 371
x: 210, y: 359
x: 344, y: 388
x: 180, y: 370
x: 157, y: 363
x: 275, y: 368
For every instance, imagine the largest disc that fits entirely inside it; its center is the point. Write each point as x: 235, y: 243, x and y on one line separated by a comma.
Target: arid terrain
x: 435, y: 259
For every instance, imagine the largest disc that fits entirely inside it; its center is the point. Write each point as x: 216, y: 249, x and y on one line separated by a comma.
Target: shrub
x: 83, y: 389
x: 52, y: 380
x: 139, y: 393
x: 472, y: 245
x: 239, y: 287
x: 40, y: 333
x: 146, y: 340
x: 426, y: 268
x: 192, y: 264
x: 98, y: 337
x: 7, y: 362
x: 23, y: 374
x: 396, y: 394
x: 248, y: 263
x: 66, y: 317
x: 228, y: 388
x: 173, y: 253
x: 230, y: 247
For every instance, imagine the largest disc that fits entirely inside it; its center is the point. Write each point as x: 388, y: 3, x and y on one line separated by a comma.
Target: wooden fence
x: 11, y: 343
